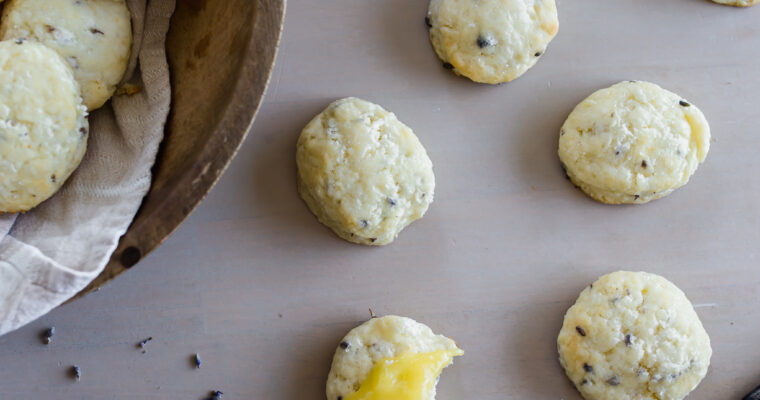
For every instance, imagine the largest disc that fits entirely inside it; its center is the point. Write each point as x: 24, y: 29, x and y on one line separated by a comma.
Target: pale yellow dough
x: 43, y: 124
x: 633, y: 142
x: 737, y: 3
x: 633, y: 336
x: 362, y: 172
x: 374, y: 340
x: 491, y: 41
x: 93, y: 36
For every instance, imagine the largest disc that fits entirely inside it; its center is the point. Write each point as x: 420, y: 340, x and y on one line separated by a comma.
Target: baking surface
x: 264, y: 293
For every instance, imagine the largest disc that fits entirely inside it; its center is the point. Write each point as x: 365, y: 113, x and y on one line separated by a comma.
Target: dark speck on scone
x: 538, y: 54
x: 344, y: 345
x: 580, y: 330
x: 614, y: 381
x: 628, y: 340
x: 427, y: 22
x: 684, y: 104
x: 365, y: 223
x: 96, y: 31
x: 588, y: 368
x: 391, y: 201
x: 448, y: 65
x: 484, y: 41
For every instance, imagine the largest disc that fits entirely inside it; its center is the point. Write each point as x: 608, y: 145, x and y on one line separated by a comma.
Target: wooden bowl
x: 221, y: 55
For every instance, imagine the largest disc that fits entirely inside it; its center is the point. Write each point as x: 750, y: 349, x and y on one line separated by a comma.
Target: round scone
x: 632, y: 143
x: 737, y: 3
x: 633, y: 336
x: 362, y: 172
x: 43, y: 124
x: 491, y: 41
x: 387, y: 356
x: 93, y: 36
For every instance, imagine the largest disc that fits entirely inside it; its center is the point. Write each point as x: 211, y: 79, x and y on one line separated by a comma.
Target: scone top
x: 43, y: 124
x: 389, y: 357
x: 362, y: 172
x: 94, y: 37
x: 633, y: 335
x: 491, y: 41
x: 633, y: 142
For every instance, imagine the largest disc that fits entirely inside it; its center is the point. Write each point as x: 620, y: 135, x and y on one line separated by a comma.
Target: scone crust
x: 633, y: 336
x: 379, y: 338
x: 492, y: 41
x: 737, y: 3
x: 93, y: 36
x: 362, y: 172
x: 633, y: 142
x: 43, y: 124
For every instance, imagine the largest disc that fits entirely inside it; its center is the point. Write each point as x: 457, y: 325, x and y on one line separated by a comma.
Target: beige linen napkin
x: 52, y: 252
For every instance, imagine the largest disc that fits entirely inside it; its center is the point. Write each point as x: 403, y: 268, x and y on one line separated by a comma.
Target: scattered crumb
x: 47, y: 335
x: 128, y: 89
x: 142, y: 344
x: 76, y: 372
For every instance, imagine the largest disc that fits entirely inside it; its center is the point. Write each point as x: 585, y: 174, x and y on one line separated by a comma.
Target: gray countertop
x: 264, y: 293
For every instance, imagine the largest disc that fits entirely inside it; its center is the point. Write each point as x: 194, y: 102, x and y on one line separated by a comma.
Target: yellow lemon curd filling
x: 406, y: 377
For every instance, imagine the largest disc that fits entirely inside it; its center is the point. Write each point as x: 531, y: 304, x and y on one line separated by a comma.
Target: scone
x: 389, y: 358
x: 737, y: 3
x: 632, y: 143
x: 94, y: 36
x: 362, y: 172
x: 633, y: 336
x: 491, y: 41
x: 43, y: 124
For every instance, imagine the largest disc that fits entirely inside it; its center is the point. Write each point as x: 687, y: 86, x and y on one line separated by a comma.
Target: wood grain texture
x: 221, y: 55
x: 264, y: 293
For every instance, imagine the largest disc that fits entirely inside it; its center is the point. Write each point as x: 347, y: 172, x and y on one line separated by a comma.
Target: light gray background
x: 264, y: 293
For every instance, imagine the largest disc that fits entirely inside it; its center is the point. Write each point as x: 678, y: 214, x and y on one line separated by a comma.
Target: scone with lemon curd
x: 362, y: 172
x: 633, y: 142
x: 737, y: 3
x: 389, y: 358
x: 43, y: 124
x: 633, y: 336
x: 491, y: 41
x: 93, y: 36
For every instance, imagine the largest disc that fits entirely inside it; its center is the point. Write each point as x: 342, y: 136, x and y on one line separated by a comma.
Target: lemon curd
x: 406, y: 377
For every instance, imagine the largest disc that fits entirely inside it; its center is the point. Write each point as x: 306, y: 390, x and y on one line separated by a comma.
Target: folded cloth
x: 52, y: 252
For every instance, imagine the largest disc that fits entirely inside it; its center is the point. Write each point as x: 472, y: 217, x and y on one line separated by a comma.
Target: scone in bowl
x: 221, y: 55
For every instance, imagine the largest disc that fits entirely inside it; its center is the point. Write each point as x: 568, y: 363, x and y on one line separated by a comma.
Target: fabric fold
x: 52, y: 252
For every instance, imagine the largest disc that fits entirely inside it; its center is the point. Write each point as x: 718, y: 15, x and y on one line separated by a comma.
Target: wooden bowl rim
x: 194, y: 185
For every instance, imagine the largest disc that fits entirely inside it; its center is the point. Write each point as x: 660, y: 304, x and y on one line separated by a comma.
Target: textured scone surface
x: 43, y: 125
x: 737, y: 3
x: 362, y: 172
x: 93, y: 36
x: 375, y: 340
x: 633, y: 142
x: 492, y: 41
x: 633, y: 335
